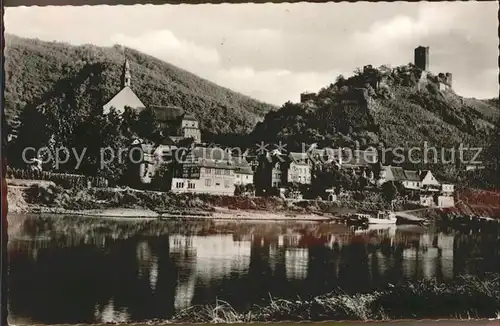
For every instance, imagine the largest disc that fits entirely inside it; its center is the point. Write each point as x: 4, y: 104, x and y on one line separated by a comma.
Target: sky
x: 273, y: 52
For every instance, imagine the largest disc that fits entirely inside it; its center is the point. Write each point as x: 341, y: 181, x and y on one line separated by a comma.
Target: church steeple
x: 126, y: 76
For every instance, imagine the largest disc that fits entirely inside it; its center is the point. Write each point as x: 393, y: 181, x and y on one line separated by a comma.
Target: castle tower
x: 126, y: 76
x: 422, y: 58
x: 449, y: 79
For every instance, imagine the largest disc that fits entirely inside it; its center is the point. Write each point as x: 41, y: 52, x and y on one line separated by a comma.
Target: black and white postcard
x: 230, y: 163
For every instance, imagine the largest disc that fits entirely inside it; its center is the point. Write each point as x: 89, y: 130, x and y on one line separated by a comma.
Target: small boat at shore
x: 382, y: 217
x: 406, y: 218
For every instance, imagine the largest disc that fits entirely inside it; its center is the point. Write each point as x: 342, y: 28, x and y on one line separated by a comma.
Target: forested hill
x: 390, y: 106
x: 39, y: 72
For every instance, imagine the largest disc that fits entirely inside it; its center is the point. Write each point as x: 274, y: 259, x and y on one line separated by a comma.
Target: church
x: 126, y: 96
x: 177, y: 123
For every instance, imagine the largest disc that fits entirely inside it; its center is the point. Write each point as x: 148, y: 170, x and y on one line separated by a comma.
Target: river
x: 67, y: 269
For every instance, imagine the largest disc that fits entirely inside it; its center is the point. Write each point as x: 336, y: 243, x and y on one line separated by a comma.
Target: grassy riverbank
x: 46, y: 197
x: 467, y: 297
x: 27, y: 196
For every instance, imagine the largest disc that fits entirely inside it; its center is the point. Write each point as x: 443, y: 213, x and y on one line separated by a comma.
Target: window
x: 246, y: 177
x: 179, y: 185
x: 217, y: 171
x: 191, y: 185
x: 208, y: 182
x: 238, y: 176
x: 217, y: 184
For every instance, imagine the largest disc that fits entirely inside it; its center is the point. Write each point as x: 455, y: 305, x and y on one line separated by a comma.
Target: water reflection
x: 69, y: 271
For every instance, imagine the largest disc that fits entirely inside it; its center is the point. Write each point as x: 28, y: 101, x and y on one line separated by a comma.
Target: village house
x: 277, y: 170
x: 447, y: 188
x: 322, y: 156
x: 204, y: 170
x: 177, y: 124
x: 391, y: 173
x: 298, y: 168
x: 243, y: 173
x: 431, y: 192
x: 412, y: 180
x: 359, y: 162
x: 429, y: 182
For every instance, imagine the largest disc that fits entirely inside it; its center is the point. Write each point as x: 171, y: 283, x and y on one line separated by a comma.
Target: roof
x: 398, y: 173
x: 297, y: 157
x: 216, y: 164
x: 242, y: 166
x: 125, y: 97
x: 325, y: 154
x: 209, y: 157
x: 243, y: 170
x: 412, y: 175
x: 423, y: 173
x: 167, y: 113
x: 189, y: 116
x: 171, y: 113
x: 210, y: 153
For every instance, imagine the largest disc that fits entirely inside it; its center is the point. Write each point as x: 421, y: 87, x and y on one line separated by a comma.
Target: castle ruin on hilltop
x: 421, y: 61
x: 379, y: 78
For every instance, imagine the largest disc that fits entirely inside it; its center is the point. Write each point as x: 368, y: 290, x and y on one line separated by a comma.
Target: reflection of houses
x: 148, y: 263
x: 445, y: 244
x: 110, y: 314
x: 296, y: 260
x: 431, y: 257
x: 211, y: 258
x: 204, y: 170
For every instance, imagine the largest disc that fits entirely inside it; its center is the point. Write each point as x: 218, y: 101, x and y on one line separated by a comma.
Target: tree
x: 147, y: 126
x: 389, y: 191
x: 239, y: 189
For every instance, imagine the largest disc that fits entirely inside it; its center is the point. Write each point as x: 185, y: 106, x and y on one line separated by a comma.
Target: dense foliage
x: 42, y: 73
x: 71, y: 139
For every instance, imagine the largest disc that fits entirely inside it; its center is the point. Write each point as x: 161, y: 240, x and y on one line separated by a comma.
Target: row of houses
x: 421, y: 180
x: 214, y: 170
